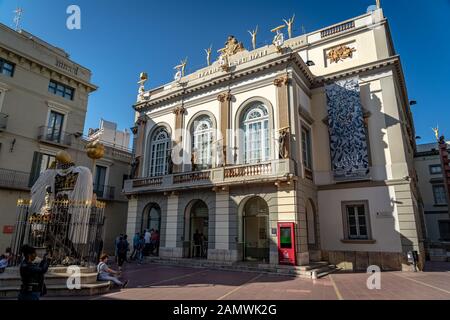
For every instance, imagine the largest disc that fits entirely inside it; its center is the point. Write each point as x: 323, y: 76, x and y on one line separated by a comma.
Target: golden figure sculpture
x: 340, y: 53
x: 183, y: 66
x: 436, y: 132
x: 289, y: 24
x: 232, y: 46
x: 208, y: 55
x: 253, y: 34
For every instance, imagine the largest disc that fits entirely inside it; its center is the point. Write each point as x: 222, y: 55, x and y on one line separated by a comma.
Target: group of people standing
x: 144, y: 244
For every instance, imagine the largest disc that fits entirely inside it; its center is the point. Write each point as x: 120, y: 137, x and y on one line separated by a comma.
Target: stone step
x: 91, y: 289
x: 15, y: 270
x: 13, y: 280
x: 314, y: 270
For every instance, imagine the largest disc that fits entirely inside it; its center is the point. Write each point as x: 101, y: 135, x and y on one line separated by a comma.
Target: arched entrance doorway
x: 151, y: 219
x: 311, y: 223
x: 256, y: 230
x: 198, y: 216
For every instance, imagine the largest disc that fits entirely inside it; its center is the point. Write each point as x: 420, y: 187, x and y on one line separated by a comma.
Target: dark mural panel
x: 348, y: 144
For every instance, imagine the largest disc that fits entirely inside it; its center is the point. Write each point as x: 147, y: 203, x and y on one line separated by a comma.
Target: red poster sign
x: 286, y: 243
x: 8, y: 229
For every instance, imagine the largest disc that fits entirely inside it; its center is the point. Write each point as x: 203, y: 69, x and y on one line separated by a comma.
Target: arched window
x: 202, y: 138
x: 159, y: 153
x: 255, y: 126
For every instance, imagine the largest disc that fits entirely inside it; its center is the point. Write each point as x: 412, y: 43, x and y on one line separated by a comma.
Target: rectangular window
x: 435, y: 169
x: 99, y: 181
x: 61, y: 90
x: 306, y: 148
x: 7, y: 68
x: 356, y: 218
x: 440, y: 196
x: 55, y: 126
x: 41, y: 162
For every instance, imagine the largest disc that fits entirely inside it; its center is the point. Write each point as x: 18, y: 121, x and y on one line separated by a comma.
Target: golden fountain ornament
x: 95, y: 150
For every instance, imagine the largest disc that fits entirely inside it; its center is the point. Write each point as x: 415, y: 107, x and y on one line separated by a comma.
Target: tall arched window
x: 159, y: 153
x: 202, y: 139
x: 255, y: 126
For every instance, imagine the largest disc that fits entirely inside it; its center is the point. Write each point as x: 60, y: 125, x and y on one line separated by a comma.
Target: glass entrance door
x: 256, y: 230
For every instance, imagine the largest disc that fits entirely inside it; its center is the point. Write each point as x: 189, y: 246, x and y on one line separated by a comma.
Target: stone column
x: 133, y: 223
x: 170, y: 242
x: 140, y: 143
x: 222, y: 238
x: 178, y: 137
x: 225, y: 124
x: 282, y: 84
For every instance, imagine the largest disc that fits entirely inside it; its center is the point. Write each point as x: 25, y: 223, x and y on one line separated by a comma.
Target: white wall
x: 384, y: 230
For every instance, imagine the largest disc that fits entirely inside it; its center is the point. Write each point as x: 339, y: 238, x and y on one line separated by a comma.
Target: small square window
x: 356, y: 220
x: 435, y: 169
x: 61, y: 90
x: 6, y: 68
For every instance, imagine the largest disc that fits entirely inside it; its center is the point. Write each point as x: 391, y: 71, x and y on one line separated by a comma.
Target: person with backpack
x: 104, y: 273
x: 122, y: 250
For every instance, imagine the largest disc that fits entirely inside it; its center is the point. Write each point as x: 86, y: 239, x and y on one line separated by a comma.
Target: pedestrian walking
x: 122, y: 250
x: 136, y: 239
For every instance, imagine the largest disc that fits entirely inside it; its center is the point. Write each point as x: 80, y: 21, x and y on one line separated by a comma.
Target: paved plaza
x: 160, y: 282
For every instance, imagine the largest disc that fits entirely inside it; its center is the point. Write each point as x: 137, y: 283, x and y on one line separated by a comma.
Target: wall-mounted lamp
x: 310, y: 63
x: 418, y: 137
x: 412, y: 102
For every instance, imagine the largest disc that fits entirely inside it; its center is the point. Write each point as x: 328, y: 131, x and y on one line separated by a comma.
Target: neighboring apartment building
x: 43, y: 105
x: 110, y: 136
x: 314, y: 131
x: 434, y: 195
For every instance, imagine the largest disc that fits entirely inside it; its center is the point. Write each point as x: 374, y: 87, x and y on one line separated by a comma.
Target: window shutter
x: 35, y: 168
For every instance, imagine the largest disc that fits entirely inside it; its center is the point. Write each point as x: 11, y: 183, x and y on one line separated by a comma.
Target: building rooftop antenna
x: 18, y: 18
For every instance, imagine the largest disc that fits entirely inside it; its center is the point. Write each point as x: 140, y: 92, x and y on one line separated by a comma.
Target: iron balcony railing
x: 14, y: 179
x: 55, y: 136
x: 105, y: 192
x: 3, y: 121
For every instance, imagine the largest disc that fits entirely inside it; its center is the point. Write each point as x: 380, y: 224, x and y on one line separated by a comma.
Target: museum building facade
x: 313, y: 131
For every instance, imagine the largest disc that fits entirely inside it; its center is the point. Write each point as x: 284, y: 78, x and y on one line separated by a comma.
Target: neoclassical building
x: 313, y: 130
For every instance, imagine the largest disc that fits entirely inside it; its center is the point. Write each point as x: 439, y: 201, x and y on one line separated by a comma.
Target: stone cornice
x: 321, y: 80
x: 41, y: 67
x: 223, y: 78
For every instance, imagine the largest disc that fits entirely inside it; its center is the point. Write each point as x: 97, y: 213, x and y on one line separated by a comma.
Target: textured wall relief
x: 348, y: 144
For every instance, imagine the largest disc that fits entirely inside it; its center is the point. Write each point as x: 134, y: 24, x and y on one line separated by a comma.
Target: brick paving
x: 159, y: 282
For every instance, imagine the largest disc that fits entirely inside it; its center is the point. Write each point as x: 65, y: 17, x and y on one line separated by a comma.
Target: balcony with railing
x: 105, y: 192
x: 53, y: 136
x: 3, y: 121
x: 270, y: 171
x: 14, y: 179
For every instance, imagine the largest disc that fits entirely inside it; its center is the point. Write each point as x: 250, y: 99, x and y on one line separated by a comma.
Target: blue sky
x: 119, y: 39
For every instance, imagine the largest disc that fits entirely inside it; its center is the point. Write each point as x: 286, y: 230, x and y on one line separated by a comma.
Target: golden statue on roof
x: 232, y: 46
